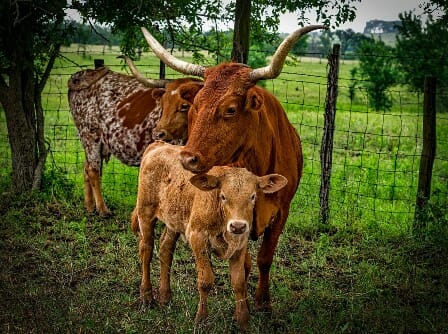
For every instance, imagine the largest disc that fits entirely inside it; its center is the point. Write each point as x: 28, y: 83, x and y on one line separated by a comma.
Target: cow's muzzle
x: 162, y: 135
x: 191, y: 162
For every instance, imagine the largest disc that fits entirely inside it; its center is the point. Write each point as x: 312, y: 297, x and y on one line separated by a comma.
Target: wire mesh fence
x: 376, y: 154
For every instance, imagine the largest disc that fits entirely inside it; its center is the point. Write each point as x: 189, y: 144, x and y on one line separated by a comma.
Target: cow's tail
x: 134, y: 222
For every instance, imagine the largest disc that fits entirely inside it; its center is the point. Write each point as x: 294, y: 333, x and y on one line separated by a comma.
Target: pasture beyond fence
x: 371, y: 158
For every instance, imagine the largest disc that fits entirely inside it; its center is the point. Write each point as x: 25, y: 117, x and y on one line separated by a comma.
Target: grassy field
x: 63, y: 270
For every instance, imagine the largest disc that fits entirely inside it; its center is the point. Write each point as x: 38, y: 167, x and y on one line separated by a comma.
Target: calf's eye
x: 253, y: 198
x: 231, y: 111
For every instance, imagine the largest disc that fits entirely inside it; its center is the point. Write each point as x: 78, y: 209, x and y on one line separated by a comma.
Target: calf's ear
x: 157, y: 93
x: 205, y: 182
x: 272, y: 183
x: 189, y: 90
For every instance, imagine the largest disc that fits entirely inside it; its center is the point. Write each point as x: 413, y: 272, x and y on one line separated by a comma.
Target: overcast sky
x: 367, y: 10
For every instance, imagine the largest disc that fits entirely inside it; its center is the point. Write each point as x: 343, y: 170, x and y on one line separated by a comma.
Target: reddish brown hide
x: 233, y: 121
x: 173, y: 123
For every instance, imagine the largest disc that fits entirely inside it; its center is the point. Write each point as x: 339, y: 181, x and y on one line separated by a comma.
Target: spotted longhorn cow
x: 234, y: 121
x: 115, y: 114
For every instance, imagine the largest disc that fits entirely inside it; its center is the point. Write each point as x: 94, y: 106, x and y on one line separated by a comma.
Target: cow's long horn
x: 152, y: 83
x: 275, y: 67
x: 176, y: 64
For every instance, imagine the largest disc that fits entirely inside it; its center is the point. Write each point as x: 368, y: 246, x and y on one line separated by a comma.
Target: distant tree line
x: 381, y: 66
x: 93, y: 34
x: 420, y: 50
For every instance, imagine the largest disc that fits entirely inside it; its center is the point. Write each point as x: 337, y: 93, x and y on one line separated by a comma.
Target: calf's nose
x: 237, y: 227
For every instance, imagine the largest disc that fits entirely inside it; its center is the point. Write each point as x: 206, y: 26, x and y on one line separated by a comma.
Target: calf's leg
x: 205, y: 274
x: 247, y: 269
x: 238, y: 275
x: 146, y: 247
x: 167, y: 246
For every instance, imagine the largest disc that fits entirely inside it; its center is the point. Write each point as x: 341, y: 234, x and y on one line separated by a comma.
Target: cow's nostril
x: 160, y: 135
x: 191, y: 162
x: 237, y: 227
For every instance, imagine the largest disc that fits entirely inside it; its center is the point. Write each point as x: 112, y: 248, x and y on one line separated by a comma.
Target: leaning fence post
x: 326, y: 150
x: 428, y: 152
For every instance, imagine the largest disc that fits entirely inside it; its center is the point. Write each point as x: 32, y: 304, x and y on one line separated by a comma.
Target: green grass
x: 63, y: 270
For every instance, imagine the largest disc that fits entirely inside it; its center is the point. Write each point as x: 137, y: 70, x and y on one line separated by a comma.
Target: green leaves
x: 422, y: 50
x: 378, y: 68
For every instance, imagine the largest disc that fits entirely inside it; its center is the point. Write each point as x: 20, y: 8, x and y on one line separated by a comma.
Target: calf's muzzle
x: 237, y: 226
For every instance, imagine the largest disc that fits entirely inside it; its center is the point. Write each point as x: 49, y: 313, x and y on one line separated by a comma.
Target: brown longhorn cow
x: 233, y: 121
x: 115, y: 114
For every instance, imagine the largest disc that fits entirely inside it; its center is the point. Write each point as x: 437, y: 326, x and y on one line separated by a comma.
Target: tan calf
x: 213, y: 211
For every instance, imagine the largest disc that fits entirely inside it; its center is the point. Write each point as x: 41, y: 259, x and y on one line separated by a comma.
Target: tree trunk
x: 240, y: 50
x: 18, y: 103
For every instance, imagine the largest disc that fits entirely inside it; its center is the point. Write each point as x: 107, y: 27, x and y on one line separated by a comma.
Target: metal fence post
x: 326, y: 150
x: 428, y: 152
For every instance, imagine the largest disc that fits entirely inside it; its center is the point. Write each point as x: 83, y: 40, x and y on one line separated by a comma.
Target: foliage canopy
x: 378, y: 68
x: 422, y: 50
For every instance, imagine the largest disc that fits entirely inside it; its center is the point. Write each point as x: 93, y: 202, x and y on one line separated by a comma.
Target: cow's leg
x: 167, y: 246
x: 264, y: 262
x: 238, y: 275
x: 146, y: 246
x: 88, y: 192
x: 94, y: 177
x: 205, y: 274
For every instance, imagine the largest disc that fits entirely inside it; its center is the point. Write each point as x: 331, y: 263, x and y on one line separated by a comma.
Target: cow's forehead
x: 227, y: 78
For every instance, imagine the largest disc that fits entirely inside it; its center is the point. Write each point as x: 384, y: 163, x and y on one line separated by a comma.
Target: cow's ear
x: 205, y: 182
x: 189, y: 90
x: 157, y: 93
x: 272, y: 183
x: 254, y: 100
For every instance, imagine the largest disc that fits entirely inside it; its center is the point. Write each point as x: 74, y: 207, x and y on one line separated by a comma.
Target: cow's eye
x: 222, y: 197
x: 184, y: 107
x: 231, y: 111
x: 253, y: 197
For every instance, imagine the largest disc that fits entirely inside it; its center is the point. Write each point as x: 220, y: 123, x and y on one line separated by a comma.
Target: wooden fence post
x: 428, y: 153
x: 98, y: 63
x: 326, y: 150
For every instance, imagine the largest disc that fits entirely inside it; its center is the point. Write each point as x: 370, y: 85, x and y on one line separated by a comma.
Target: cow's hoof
x: 242, y: 320
x: 200, y: 318
x: 263, y: 308
x: 147, y: 299
x: 104, y: 213
x: 164, y: 298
